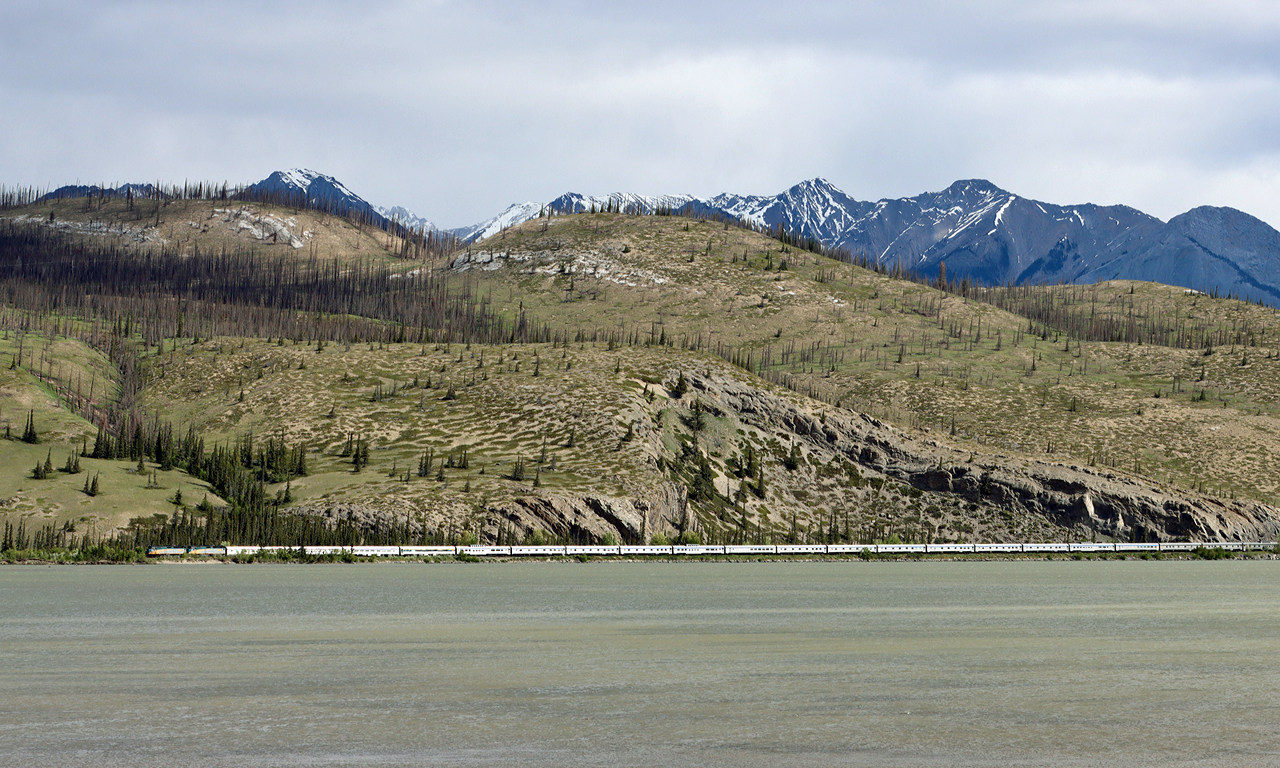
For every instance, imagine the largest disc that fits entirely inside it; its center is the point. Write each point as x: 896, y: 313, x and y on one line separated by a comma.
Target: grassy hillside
x: 579, y: 421
x: 960, y: 368
x: 209, y: 226
x: 66, y: 381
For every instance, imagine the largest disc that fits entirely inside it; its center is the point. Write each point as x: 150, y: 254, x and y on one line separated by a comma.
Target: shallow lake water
x: 628, y: 664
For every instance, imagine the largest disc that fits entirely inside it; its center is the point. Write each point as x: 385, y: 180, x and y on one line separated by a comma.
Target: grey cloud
x: 455, y: 110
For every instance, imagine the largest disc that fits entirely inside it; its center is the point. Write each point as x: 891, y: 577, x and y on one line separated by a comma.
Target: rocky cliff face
x: 592, y: 518
x: 587, y: 518
x: 1081, y: 499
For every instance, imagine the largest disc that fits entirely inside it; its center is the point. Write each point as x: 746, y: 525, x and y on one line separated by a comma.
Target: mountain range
x: 976, y: 229
x: 986, y: 234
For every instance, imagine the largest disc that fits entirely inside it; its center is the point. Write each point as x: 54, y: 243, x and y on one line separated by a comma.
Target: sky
x: 456, y: 110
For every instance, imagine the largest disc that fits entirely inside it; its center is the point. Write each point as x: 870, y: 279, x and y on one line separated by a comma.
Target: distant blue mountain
x: 991, y: 236
x: 81, y: 190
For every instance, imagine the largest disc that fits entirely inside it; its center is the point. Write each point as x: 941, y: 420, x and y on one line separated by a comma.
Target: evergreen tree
x: 698, y: 422
x: 680, y: 388
x: 792, y: 461
x: 29, y: 434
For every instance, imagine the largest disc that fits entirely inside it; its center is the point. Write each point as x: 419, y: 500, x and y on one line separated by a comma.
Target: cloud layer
x: 455, y: 110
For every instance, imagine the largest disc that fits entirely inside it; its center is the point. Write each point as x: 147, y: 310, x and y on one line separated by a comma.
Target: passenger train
x: 697, y: 550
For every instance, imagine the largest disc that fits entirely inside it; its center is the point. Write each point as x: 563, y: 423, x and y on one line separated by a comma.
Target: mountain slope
x: 988, y: 235
x: 1205, y: 248
x: 974, y: 229
x: 599, y: 375
x: 318, y: 191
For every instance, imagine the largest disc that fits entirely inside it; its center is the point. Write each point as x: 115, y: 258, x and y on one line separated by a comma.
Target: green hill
x: 602, y: 375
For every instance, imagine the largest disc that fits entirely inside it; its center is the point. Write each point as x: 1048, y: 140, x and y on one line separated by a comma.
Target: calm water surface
x: 627, y: 664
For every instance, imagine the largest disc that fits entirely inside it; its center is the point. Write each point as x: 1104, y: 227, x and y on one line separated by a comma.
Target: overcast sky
x: 455, y: 110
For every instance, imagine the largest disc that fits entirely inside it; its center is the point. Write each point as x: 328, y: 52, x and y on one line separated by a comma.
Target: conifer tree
x: 29, y: 434
x: 792, y: 462
x: 681, y: 387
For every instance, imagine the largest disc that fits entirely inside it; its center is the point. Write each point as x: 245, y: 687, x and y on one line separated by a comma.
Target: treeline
x: 1085, y: 313
x: 207, y: 525
x: 164, y: 294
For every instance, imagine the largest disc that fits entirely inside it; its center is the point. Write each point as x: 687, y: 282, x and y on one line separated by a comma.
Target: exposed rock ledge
x: 553, y: 261
x: 1114, y: 505
x: 584, y: 518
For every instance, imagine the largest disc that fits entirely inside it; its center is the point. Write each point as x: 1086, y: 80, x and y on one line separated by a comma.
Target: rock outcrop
x: 592, y: 518
x: 1078, y: 498
x: 587, y: 518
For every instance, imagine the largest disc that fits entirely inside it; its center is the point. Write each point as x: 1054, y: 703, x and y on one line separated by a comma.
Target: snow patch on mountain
x: 405, y: 217
x: 319, y: 190
x: 516, y: 213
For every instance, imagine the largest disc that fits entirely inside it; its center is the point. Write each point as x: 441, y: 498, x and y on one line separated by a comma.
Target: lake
x: 1036, y: 663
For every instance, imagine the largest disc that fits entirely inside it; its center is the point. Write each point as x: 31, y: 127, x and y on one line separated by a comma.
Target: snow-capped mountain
x: 815, y: 208
x: 326, y: 192
x: 318, y: 190
x: 571, y: 202
x: 405, y: 217
x: 986, y: 233
x: 516, y: 213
